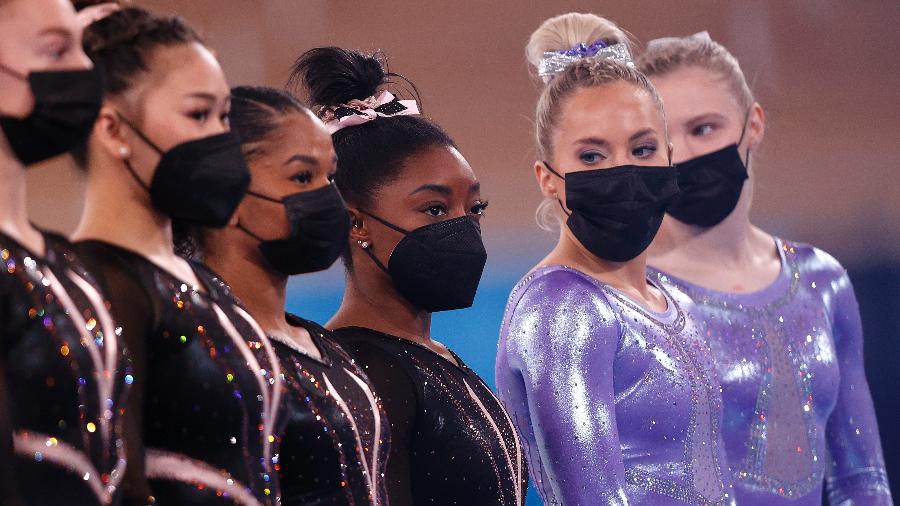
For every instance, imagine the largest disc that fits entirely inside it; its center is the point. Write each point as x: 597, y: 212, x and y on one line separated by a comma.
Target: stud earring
x: 363, y: 244
x: 124, y: 151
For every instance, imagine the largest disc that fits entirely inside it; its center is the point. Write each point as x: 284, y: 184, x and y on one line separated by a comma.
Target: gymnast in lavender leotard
x: 781, y: 317
x: 605, y: 373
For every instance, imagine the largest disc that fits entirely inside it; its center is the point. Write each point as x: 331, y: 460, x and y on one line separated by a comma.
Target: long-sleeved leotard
x: 66, y: 376
x: 334, y: 444
x: 617, y: 404
x: 452, y: 443
x: 797, y: 406
x: 208, y: 385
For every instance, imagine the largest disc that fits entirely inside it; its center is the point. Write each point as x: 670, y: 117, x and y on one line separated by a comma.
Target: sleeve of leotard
x: 396, y: 390
x: 10, y: 494
x: 856, y: 472
x: 134, y: 311
x: 554, y: 374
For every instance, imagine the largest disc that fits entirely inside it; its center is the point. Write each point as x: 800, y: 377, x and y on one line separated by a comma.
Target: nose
x: 81, y: 60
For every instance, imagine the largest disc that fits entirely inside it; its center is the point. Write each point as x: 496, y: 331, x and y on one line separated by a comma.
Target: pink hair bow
x: 357, y: 112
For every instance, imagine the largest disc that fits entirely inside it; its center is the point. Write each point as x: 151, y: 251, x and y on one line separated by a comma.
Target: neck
x: 13, y: 204
x: 262, y: 290
x: 119, y: 212
x: 729, y: 243
x: 629, y: 277
x: 383, y: 310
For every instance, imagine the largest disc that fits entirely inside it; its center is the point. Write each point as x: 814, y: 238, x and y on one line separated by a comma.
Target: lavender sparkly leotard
x: 796, y: 402
x: 617, y: 404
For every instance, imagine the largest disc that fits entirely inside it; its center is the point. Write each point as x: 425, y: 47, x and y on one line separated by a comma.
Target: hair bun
x: 567, y: 30
x: 332, y: 75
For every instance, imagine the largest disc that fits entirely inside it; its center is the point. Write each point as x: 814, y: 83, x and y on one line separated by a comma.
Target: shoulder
x: 556, y: 287
x: 383, y: 361
x: 372, y: 350
x: 559, y: 308
x: 815, y: 265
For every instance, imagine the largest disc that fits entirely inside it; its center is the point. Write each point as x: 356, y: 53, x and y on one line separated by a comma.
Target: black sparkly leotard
x: 66, y: 378
x: 452, y: 443
x: 334, y: 445
x: 208, y: 387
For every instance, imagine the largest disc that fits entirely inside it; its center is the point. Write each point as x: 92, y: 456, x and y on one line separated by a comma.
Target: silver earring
x: 124, y: 151
x: 363, y: 244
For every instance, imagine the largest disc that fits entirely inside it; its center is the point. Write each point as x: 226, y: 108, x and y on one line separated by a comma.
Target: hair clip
x: 555, y: 62
x: 357, y: 112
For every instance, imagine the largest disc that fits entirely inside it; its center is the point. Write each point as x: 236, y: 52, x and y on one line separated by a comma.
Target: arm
x: 134, y: 311
x: 9, y: 495
x: 856, y: 474
x: 555, y: 376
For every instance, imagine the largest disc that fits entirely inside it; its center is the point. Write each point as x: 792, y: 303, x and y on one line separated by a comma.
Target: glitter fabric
x: 555, y: 62
x: 334, y: 446
x: 208, y: 382
x: 797, y: 406
x: 67, y: 377
x: 451, y: 440
x: 617, y: 404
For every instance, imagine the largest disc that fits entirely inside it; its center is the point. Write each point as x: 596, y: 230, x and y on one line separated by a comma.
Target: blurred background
x: 826, y: 71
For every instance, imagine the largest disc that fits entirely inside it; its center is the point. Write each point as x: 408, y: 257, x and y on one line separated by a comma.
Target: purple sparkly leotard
x: 617, y: 404
x: 796, y: 402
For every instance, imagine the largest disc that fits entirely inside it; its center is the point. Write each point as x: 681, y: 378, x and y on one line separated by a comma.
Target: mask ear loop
x: 260, y: 196
x: 17, y: 75
x: 389, y: 225
x: 741, y: 139
x: 557, y: 174
x: 144, y: 138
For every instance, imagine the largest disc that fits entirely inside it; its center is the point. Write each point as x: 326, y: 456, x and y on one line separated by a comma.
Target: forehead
x: 185, y: 68
x: 693, y: 90
x: 608, y: 110
x: 302, y: 132
x: 441, y: 165
x: 31, y: 17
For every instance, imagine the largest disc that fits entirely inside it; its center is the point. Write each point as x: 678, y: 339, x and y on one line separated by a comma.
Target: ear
x: 358, y: 231
x: 546, y: 181
x: 110, y: 134
x: 671, y: 148
x: 756, y: 125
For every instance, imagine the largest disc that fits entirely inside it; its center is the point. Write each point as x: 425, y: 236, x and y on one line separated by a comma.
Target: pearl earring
x: 124, y: 151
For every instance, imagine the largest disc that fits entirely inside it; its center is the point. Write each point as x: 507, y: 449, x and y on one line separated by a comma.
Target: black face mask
x: 66, y: 104
x: 616, y: 212
x: 320, y: 227
x: 437, y: 267
x: 200, y: 181
x: 711, y: 186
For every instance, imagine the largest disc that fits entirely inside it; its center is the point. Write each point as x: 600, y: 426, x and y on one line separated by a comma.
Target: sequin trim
x: 373, y: 406
x: 752, y: 469
x: 371, y: 474
x: 509, y: 458
x: 270, y: 391
x: 50, y: 449
x: 162, y: 465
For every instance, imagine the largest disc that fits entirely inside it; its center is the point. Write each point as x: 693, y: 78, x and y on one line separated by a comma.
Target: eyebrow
x: 437, y: 188
x: 475, y: 187
x: 641, y: 133
x: 307, y: 159
x: 592, y: 140
x: 62, y: 32
x: 707, y: 116
x: 202, y: 95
